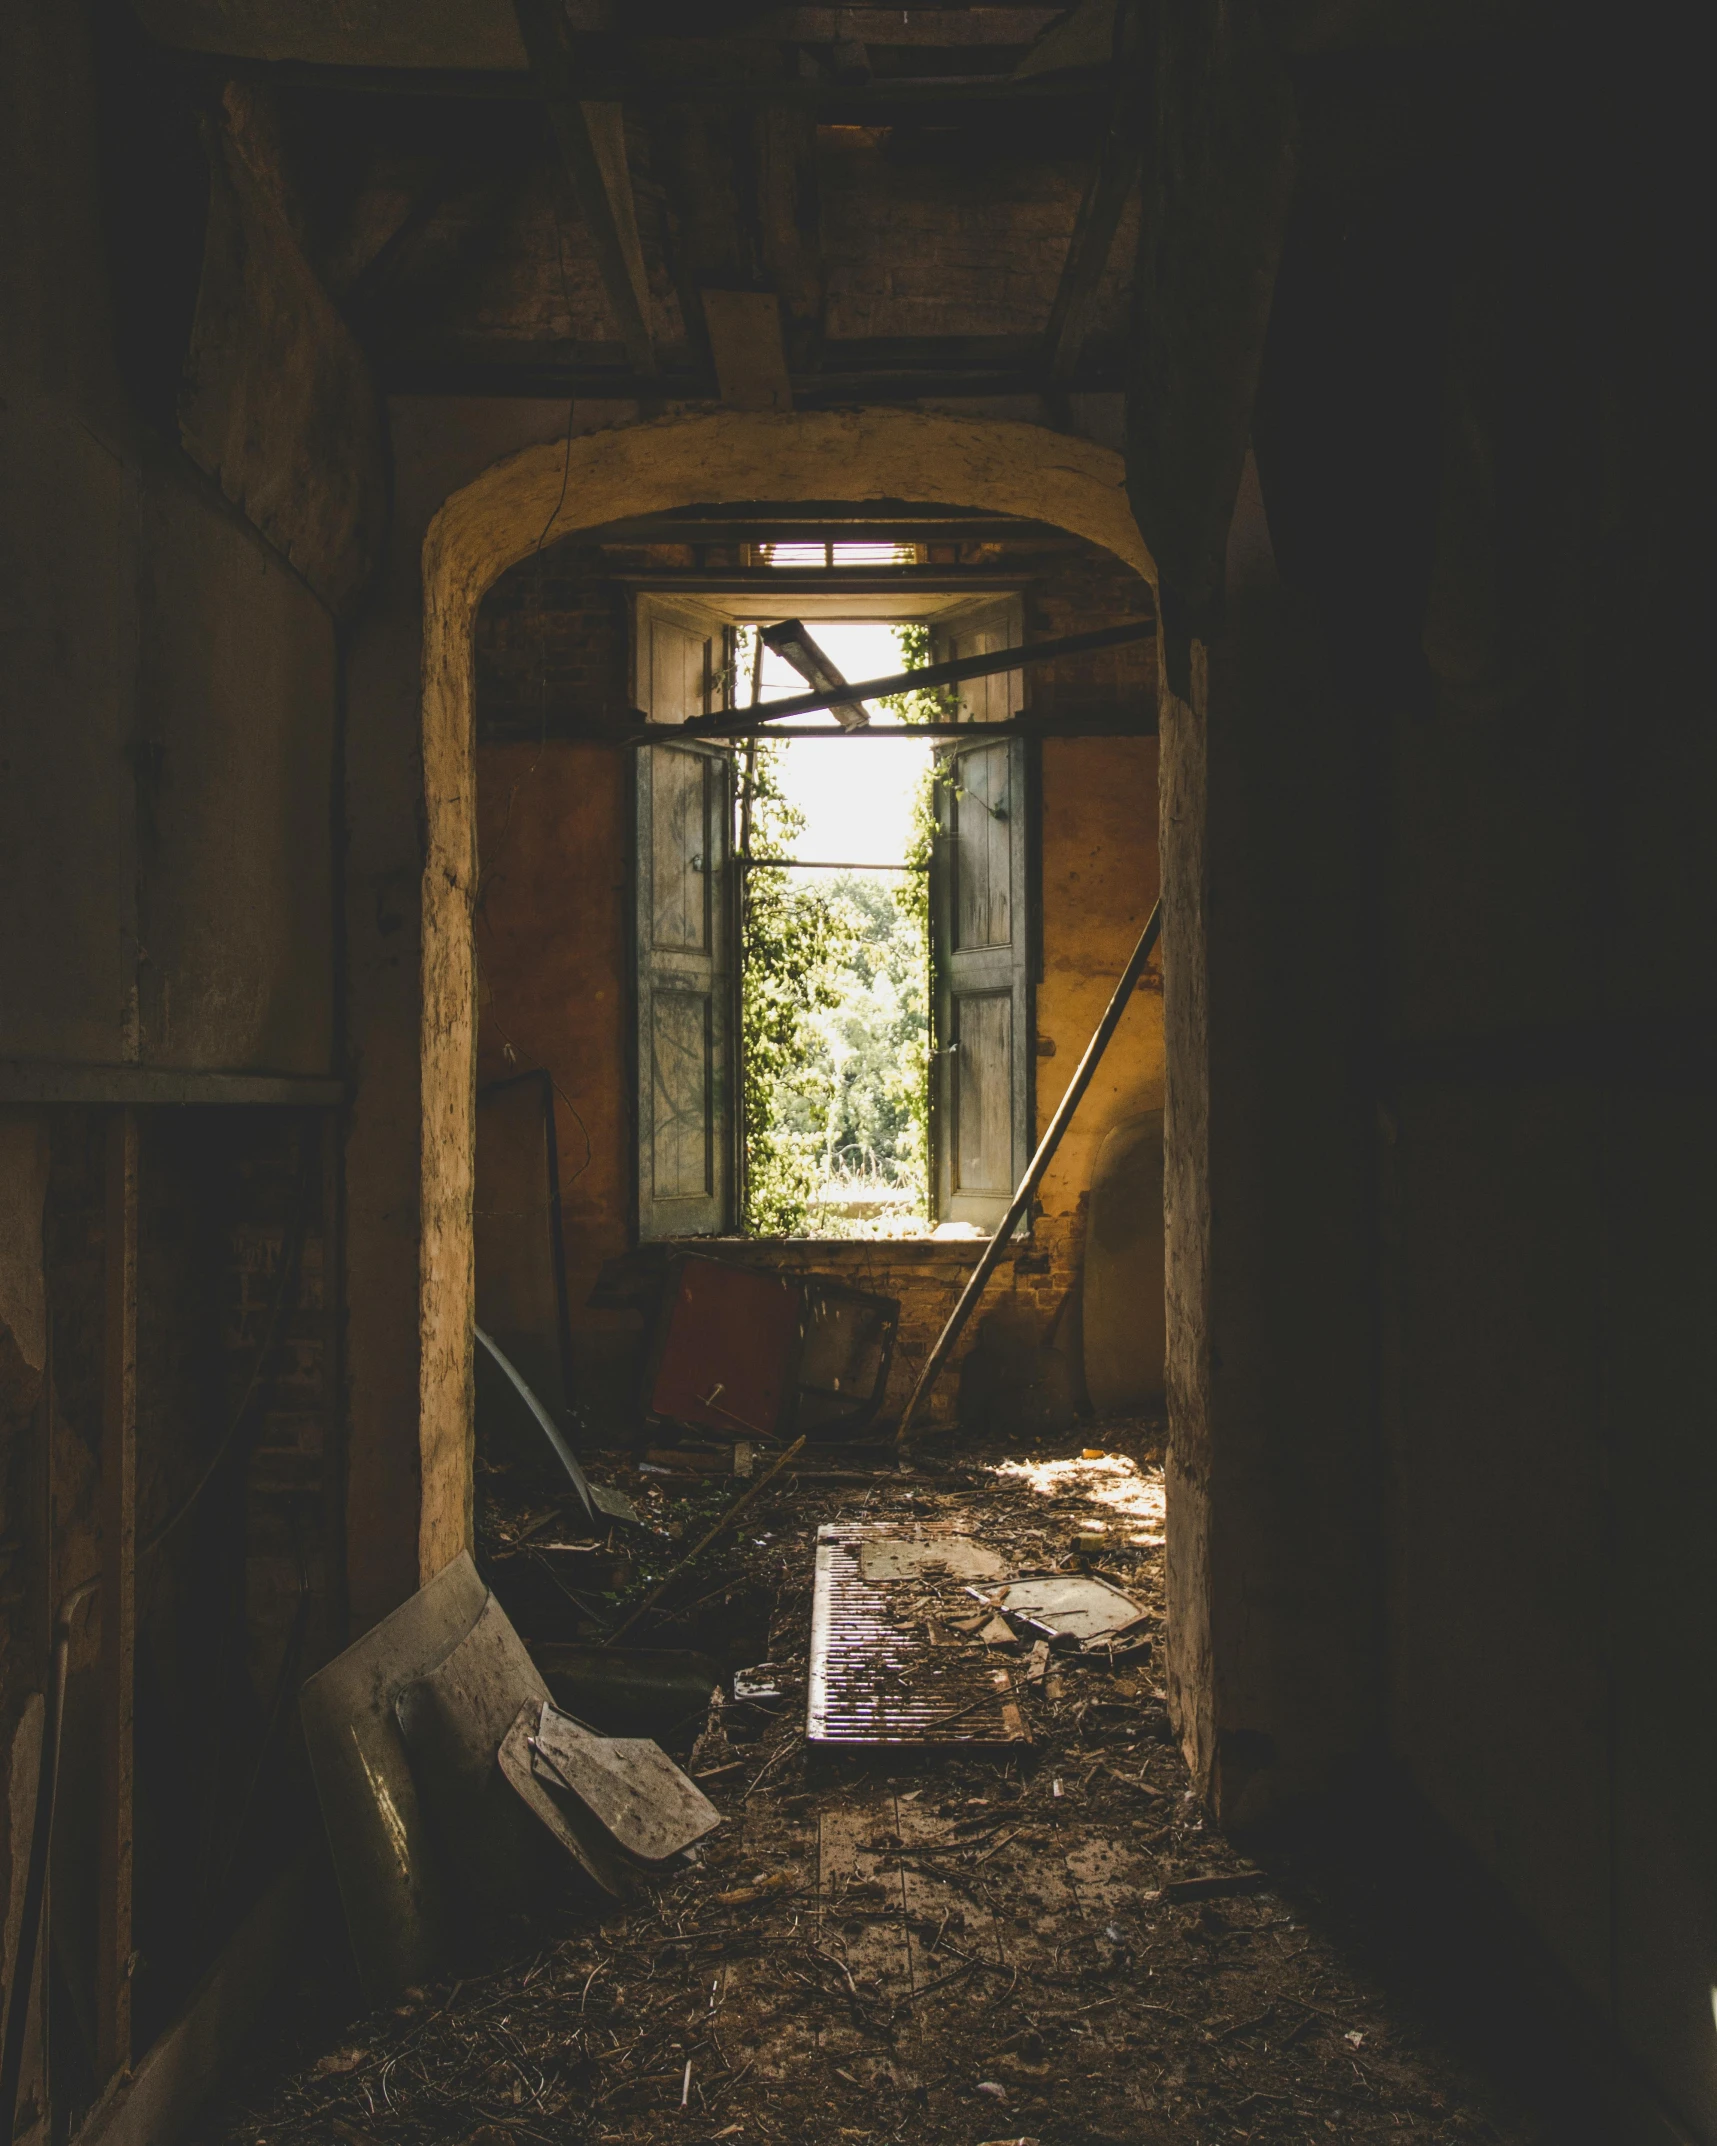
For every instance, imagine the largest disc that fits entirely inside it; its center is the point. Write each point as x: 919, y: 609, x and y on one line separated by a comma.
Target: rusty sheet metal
x: 1073, y: 1606
x: 874, y: 1678
x: 629, y: 1784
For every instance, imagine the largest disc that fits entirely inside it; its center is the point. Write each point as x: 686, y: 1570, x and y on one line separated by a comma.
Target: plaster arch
x: 489, y: 525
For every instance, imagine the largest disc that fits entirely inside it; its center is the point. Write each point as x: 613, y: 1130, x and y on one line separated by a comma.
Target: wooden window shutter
x: 981, y: 941
x: 685, y: 926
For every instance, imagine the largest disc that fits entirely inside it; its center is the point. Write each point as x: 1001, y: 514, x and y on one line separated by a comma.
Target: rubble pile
x: 1042, y: 1940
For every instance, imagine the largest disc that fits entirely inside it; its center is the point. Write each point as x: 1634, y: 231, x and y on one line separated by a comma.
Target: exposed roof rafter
x: 592, y: 139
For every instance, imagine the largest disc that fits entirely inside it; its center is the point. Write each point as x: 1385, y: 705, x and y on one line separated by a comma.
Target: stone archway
x: 488, y: 526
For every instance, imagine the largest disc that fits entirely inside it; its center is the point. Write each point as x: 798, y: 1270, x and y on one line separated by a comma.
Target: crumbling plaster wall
x: 483, y: 529
x: 168, y: 716
x: 1273, y: 1578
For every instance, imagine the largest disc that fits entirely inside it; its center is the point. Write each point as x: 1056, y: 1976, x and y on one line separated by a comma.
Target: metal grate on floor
x: 875, y: 1679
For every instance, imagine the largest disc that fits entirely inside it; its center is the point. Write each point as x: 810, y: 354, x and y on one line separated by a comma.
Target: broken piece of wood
x: 1217, y: 1888
x: 698, y: 1548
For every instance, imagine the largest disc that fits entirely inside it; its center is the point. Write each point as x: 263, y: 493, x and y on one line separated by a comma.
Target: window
x: 687, y: 927
x: 833, y: 552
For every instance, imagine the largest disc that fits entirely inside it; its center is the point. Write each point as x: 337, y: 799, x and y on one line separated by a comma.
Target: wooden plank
x: 943, y: 1903
x: 747, y: 349
x: 791, y: 525
x: 591, y: 136
x: 1092, y: 243
x: 33, y: 1080
x: 1219, y: 180
x: 867, y: 369
x: 944, y: 28
x: 1005, y: 576
x: 861, y: 1904
x: 1100, y: 210
x: 367, y: 258
x: 455, y: 34
x: 118, y: 1494
x: 709, y: 162
x: 635, y: 84
x: 790, y: 227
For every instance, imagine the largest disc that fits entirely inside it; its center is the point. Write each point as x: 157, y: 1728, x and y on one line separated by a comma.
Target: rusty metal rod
x: 1039, y: 1163
x: 733, y: 724
x: 692, y: 1555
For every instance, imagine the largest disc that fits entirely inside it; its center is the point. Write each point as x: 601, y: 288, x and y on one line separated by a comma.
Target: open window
x: 688, y: 910
x: 686, y: 919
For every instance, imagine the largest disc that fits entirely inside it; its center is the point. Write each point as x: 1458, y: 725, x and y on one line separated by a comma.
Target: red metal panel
x: 729, y: 1349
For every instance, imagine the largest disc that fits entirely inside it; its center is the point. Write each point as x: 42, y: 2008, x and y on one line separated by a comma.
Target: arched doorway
x: 487, y: 527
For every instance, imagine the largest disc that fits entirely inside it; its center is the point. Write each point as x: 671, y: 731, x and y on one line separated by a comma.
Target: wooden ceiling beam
x: 591, y: 136
x: 600, y: 78
x: 847, y: 528
x: 943, y: 28
x: 854, y: 369
x: 404, y: 373
x: 790, y: 226
x: 1100, y: 209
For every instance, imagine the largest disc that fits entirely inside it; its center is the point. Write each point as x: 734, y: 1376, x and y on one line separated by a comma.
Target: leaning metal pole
x: 1039, y: 1163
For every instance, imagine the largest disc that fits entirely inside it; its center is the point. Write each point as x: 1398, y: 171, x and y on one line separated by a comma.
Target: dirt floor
x: 1044, y: 1943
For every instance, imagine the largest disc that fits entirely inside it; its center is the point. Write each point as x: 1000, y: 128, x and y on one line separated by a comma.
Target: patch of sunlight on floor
x: 1132, y: 1493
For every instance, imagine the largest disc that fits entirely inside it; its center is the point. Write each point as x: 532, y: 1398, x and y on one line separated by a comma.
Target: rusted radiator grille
x: 875, y: 1680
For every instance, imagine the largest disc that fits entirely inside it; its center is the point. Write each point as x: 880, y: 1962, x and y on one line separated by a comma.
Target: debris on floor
x: 1071, y: 1607
x: 460, y: 1747
x: 989, y: 1936
x: 877, y: 1588
x: 741, y: 1352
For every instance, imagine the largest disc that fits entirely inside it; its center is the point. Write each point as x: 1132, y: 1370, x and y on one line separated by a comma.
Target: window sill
x: 955, y: 1250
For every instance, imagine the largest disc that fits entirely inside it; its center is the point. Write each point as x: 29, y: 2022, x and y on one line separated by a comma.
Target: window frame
x: 950, y: 624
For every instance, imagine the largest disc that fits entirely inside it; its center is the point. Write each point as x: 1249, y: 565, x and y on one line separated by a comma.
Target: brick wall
x: 1078, y: 592
x: 554, y: 818
x: 553, y: 641
x: 1025, y: 1308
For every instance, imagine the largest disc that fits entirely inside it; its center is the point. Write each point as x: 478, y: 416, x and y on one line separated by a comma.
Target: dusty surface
x: 1049, y: 1945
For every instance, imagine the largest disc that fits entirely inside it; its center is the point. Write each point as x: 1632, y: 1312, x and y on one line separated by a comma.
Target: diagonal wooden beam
x: 858, y: 691
x: 398, y: 291
x: 592, y: 141
x: 790, y: 225
x: 1100, y: 211
x: 365, y: 276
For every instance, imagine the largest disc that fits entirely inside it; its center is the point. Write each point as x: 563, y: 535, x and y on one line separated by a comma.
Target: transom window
x: 833, y: 552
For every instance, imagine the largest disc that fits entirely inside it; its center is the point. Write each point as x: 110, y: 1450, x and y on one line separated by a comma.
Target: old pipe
x: 730, y: 724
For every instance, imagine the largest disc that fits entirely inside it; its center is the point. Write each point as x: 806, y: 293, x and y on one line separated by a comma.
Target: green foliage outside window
x: 836, y: 1020
x: 793, y: 939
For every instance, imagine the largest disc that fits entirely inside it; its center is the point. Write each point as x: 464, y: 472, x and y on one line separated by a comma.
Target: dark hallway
x: 529, y: 1224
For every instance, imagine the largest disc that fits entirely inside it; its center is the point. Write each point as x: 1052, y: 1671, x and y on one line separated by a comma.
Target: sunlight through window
x: 1109, y: 1479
